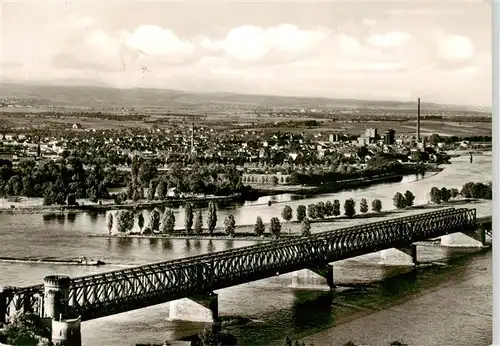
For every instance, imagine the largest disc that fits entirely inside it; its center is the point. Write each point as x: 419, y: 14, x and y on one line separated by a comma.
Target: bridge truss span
x: 99, y: 295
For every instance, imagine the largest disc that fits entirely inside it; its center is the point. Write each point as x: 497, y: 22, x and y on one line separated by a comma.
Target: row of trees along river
x: 193, y: 222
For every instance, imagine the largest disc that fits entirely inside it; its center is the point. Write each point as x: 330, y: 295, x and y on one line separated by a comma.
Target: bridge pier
x: 56, y: 296
x: 199, y: 308
x: 6, y: 293
x: 472, y: 239
x: 314, y: 278
x: 55, y: 311
x: 400, y: 256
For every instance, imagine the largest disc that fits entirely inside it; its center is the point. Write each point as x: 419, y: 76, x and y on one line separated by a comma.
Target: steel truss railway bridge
x: 100, y: 295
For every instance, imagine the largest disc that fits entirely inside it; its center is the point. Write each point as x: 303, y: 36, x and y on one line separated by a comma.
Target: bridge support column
x: 401, y: 256
x: 56, y: 295
x: 314, y: 278
x: 482, y: 234
x: 199, y: 308
x: 67, y: 332
x: 5, y: 294
x: 472, y: 239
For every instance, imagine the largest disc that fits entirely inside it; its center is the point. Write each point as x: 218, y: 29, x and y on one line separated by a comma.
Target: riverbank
x: 24, y: 205
x: 31, y: 208
x: 293, y: 228
x: 328, y: 188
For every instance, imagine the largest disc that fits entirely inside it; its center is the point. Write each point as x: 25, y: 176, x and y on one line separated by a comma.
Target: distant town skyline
x: 438, y: 51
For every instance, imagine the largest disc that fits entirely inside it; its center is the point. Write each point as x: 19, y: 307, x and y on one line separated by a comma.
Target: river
x: 278, y: 310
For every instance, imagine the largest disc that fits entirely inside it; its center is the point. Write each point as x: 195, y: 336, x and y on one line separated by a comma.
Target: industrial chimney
x: 418, y: 121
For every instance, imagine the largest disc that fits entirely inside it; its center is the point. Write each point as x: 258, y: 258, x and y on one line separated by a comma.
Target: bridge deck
x: 99, y: 295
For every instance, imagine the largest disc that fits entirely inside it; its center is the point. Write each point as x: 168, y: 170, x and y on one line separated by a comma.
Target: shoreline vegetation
x: 299, y: 189
x: 292, y: 229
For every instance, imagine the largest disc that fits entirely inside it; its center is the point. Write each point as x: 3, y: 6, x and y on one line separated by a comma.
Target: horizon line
x: 332, y: 98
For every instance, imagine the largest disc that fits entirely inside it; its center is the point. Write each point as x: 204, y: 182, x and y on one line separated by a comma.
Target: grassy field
x: 444, y: 128
x: 171, y: 109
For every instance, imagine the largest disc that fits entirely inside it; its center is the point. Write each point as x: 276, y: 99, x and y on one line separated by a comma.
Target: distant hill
x: 108, y: 97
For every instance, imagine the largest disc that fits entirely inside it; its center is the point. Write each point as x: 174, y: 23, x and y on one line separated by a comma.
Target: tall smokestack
x: 192, y: 137
x: 418, y: 120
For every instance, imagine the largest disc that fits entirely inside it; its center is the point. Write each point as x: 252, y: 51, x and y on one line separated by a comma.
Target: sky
x: 439, y: 51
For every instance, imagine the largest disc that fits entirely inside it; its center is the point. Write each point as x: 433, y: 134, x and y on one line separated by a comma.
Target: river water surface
x: 275, y: 308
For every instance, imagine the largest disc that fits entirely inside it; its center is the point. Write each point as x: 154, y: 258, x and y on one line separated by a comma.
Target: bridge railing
x: 121, y: 290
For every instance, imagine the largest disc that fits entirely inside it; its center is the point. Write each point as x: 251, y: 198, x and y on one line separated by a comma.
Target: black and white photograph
x: 260, y: 173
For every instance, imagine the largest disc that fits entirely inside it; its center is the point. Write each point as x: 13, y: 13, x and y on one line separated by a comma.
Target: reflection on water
x: 60, y: 219
x: 310, y: 310
x: 167, y: 244
x: 153, y: 244
x: 197, y: 244
x: 48, y: 217
x: 229, y: 244
x: 187, y: 246
x: 210, y: 246
x: 71, y: 217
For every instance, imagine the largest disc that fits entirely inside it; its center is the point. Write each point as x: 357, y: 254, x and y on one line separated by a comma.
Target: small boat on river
x: 79, y: 261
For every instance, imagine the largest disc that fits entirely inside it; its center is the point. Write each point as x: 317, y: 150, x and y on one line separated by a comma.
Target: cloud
x: 373, y: 60
x: 393, y: 38
x: 153, y: 40
x: 250, y: 43
x: 368, y: 22
x: 456, y: 48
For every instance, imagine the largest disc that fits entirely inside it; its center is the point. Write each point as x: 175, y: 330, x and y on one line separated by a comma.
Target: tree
x: 336, y: 207
x: 229, y: 225
x: 349, y: 207
x: 188, y: 217
x: 147, y: 172
x: 363, y: 206
x: 138, y: 193
x: 275, y: 227
x: 151, y: 190
x: 301, y: 212
x: 212, y: 217
x: 161, y: 189
x: 259, y: 227
x: 198, y: 223
x: 445, y: 194
x: 399, y: 200
x: 312, y: 211
x: 320, y: 210
x: 397, y: 343
x: 110, y: 223
x: 294, y: 178
x: 26, y: 330
x: 477, y: 190
x: 409, y: 198
x: 435, y: 195
x: 124, y: 221
x: 154, y: 220
x: 305, y: 228
x: 287, y: 213
x: 168, y: 222
x: 328, y: 209
x: 274, y: 180
x: 454, y: 193
x: 377, y: 205
x: 214, y: 335
x: 140, y: 221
